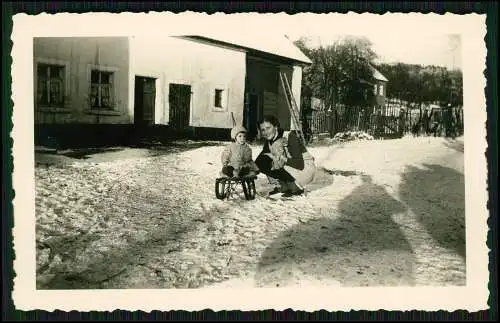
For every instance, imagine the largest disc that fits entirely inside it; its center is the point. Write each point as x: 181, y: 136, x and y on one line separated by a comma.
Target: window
x: 101, y: 89
x: 381, y: 90
x: 375, y: 90
x: 50, y: 85
x: 218, y: 98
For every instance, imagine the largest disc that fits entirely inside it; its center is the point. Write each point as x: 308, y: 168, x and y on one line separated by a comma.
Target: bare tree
x: 341, y: 72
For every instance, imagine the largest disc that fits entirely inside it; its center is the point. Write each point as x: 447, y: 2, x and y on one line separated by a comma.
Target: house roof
x: 378, y: 76
x: 276, y: 45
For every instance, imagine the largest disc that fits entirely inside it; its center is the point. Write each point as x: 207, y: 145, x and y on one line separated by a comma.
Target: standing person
x: 284, y: 158
x: 237, y: 156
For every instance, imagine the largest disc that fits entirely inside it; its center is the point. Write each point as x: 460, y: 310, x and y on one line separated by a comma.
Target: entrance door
x: 252, y: 114
x: 144, y: 102
x: 179, y: 99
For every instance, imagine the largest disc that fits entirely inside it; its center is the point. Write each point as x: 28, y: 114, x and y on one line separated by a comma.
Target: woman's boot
x: 293, y: 190
x: 282, y: 188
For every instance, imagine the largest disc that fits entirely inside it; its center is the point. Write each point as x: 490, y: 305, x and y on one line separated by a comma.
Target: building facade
x: 380, y: 88
x: 81, y: 80
x: 182, y: 83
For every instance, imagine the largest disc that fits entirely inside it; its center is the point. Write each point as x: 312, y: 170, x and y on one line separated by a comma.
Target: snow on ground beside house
x: 379, y: 213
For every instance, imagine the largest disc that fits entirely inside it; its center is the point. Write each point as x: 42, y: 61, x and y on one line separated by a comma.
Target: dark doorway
x: 261, y: 88
x: 179, y: 99
x: 144, y: 102
x: 253, y: 111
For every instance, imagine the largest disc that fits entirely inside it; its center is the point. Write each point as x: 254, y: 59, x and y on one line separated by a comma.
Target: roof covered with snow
x: 379, y: 76
x: 277, y: 45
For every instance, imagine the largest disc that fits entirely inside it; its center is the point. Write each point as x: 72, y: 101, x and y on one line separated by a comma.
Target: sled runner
x: 225, y: 187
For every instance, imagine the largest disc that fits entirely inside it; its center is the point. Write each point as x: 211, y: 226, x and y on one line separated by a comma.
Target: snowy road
x: 386, y: 213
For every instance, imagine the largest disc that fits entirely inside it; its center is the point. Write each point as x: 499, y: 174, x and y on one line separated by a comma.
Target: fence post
x: 402, y: 119
x: 448, y: 122
x: 332, y: 121
x: 460, y: 121
x: 359, y: 120
x: 407, y: 120
x: 379, y: 123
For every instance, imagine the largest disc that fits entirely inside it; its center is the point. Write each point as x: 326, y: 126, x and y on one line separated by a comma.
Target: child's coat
x: 238, y: 156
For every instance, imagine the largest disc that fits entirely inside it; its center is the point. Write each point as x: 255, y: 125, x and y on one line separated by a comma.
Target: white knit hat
x: 236, y: 130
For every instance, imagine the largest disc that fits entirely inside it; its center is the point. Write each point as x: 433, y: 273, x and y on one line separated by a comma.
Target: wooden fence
x: 389, y: 121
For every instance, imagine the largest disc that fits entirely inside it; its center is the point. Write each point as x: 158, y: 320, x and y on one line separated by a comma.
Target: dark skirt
x: 265, y: 163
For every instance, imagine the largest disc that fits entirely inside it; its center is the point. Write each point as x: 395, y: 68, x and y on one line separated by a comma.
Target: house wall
x: 78, y: 54
x: 204, y: 67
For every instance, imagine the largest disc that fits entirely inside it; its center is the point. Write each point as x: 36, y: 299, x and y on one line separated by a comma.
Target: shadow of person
x: 437, y: 196
x: 358, y: 245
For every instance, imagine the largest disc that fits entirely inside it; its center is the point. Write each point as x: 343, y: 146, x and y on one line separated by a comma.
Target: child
x: 237, y: 157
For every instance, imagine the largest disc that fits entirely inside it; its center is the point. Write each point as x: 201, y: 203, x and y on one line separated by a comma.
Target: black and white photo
x: 252, y: 155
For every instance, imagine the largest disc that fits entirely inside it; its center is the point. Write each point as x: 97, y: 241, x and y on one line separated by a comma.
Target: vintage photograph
x: 289, y: 155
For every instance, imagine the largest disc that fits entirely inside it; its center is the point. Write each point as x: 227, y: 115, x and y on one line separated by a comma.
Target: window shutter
x: 110, y: 89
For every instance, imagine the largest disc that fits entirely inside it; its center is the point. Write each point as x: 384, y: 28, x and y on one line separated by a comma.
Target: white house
x: 186, y: 83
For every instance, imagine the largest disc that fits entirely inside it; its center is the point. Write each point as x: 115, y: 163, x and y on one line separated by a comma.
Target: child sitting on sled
x: 237, y: 156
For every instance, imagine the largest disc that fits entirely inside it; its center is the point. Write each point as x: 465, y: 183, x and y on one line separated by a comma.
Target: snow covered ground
x: 379, y: 213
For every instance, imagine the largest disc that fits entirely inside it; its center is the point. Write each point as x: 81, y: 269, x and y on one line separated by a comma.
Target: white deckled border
x: 472, y: 297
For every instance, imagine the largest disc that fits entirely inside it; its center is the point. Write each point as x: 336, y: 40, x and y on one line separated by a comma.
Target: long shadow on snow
x: 437, y: 196
x: 178, y: 146
x: 103, y: 267
x: 361, y: 247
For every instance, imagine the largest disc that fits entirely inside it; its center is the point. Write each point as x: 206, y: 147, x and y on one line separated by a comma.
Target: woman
x: 284, y: 158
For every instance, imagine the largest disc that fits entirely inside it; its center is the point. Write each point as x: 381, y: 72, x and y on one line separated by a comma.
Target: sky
x: 414, y: 39
x: 404, y: 42
x: 440, y: 50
